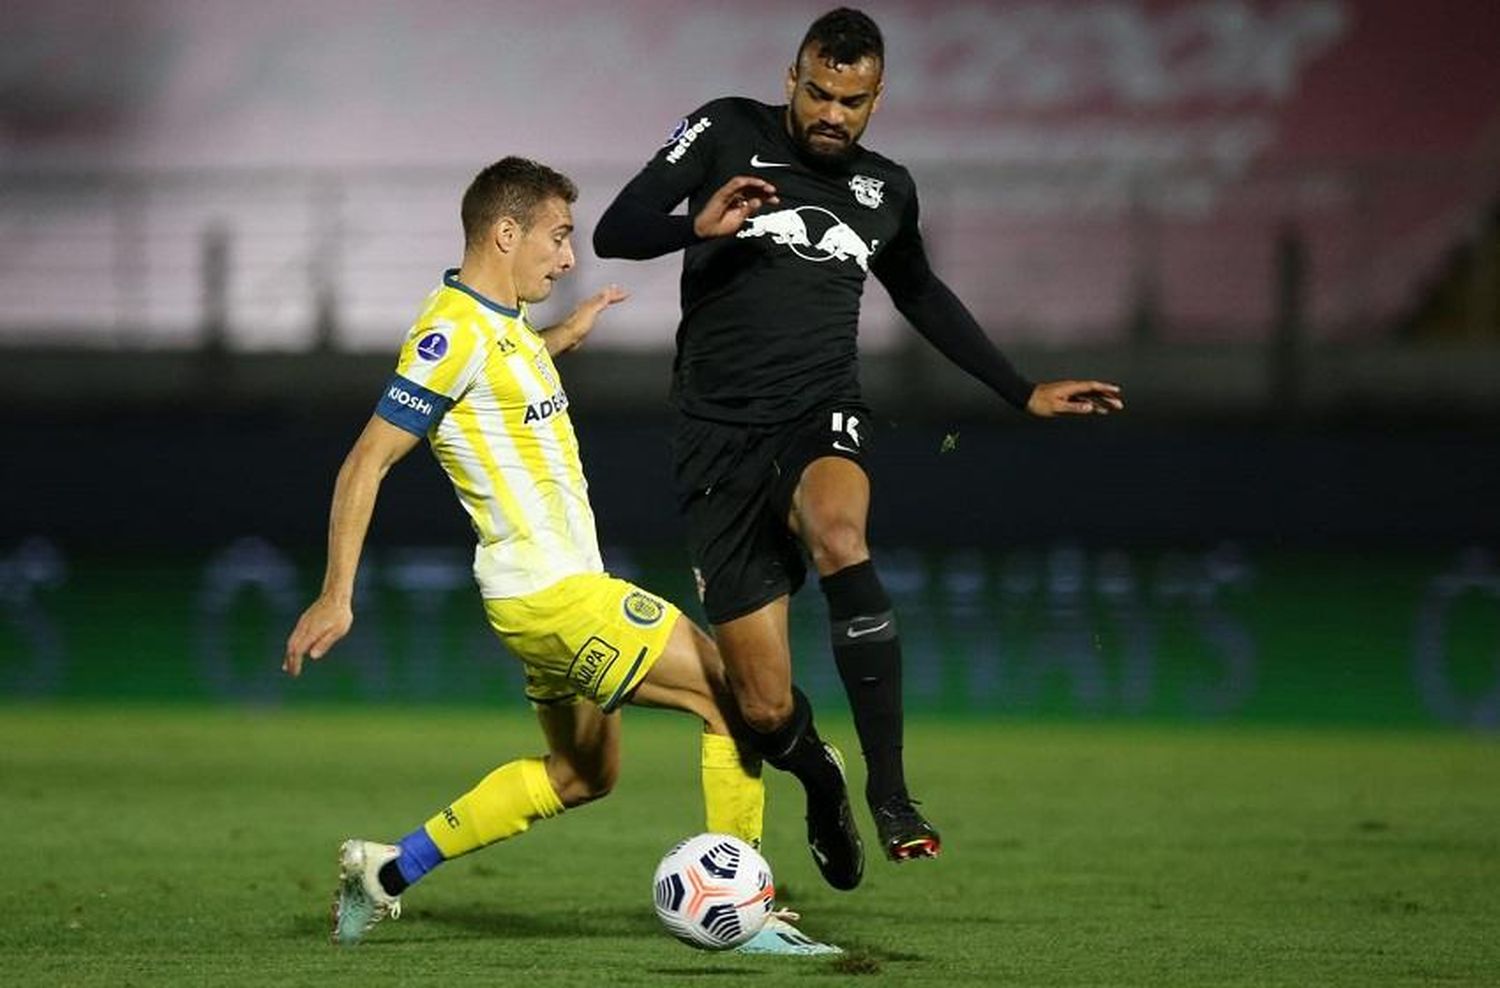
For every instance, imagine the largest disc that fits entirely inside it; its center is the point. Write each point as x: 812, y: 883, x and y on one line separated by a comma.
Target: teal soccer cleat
x: 361, y: 902
x: 779, y: 936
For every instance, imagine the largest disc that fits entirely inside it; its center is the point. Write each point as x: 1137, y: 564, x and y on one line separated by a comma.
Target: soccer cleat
x: 779, y: 936
x: 831, y: 835
x: 904, y: 833
x: 361, y: 902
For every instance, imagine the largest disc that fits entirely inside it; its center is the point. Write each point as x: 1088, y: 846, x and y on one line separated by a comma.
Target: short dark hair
x: 843, y: 37
x: 512, y: 187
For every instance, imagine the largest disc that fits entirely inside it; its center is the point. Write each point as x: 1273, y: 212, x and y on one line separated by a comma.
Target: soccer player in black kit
x: 787, y: 214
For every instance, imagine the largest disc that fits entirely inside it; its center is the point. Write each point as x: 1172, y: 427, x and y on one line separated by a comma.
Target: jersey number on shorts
x: 846, y: 425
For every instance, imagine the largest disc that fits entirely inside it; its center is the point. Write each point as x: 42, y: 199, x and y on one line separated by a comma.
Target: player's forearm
x: 560, y: 338
x: 354, y: 496
x: 634, y: 229
x: 564, y: 336
x: 947, y: 324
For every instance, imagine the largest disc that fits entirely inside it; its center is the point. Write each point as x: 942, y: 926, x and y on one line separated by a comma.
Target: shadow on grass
x: 857, y: 962
x: 309, y: 925
x: 487, y: 920
x: 483, y: 920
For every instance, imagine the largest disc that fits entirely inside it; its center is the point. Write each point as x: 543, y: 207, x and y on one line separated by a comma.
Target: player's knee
x: 837, y: 544
x: 586, y: 790
x: 764, y: 714
x: 577, y: 785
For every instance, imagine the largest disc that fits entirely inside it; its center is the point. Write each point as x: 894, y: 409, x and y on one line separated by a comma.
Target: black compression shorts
x: 734, y: 486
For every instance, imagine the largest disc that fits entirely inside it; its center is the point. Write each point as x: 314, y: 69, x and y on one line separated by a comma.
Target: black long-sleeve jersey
x: 770, y: 315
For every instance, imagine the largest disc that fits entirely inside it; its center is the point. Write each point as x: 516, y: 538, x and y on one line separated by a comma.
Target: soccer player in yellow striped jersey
x: 477, y: 381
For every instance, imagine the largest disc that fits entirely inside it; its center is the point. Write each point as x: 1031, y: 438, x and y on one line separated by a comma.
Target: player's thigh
x: 834, y: 491
x: 757, y: 657
x: 688, y: 675
x: 824, y: 491
x: 583, y: 749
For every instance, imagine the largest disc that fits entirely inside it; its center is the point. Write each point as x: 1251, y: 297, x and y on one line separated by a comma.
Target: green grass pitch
x: 196, y: 846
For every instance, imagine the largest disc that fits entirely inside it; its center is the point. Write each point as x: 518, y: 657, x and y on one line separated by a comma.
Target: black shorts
x: 735, y: 485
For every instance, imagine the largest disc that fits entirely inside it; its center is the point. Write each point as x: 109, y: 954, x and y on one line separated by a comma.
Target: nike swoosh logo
x: 866, y: 631
x: 844, y: 449
x: 755, y: 162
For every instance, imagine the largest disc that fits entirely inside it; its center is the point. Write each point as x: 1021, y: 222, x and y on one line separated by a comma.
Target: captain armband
x: 409, y: 406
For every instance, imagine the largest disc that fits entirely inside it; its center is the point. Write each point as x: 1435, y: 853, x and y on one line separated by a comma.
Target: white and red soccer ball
x: 713, y: 891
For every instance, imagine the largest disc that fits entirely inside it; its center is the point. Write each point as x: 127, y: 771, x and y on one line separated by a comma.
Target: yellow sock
x: 733, y: 796
x: 502, y: 805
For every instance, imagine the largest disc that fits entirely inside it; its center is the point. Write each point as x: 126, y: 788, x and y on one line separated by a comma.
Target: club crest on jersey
x: 795, y: 228
x: 432, y: 346
x: 867, y: 191
x: 642, y: 609
x: 544, y: 368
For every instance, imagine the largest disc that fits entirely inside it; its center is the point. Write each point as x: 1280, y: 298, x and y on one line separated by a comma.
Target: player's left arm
x: 937, y: 313
x: 569, y: 333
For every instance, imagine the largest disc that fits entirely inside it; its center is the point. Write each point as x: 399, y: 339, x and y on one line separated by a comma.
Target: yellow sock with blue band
x: 503, y: 804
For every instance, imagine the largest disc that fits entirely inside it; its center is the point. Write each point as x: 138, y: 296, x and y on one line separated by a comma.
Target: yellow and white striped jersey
x: 477, y: 381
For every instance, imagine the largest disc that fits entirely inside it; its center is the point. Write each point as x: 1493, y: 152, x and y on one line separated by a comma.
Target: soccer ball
x: 713, y: 891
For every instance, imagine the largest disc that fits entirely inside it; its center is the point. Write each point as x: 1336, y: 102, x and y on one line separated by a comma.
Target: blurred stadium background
x: 1277, y: 224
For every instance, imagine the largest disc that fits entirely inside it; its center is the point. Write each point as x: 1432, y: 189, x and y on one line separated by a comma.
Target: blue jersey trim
x: 450, y: 278
x: 407, y: 405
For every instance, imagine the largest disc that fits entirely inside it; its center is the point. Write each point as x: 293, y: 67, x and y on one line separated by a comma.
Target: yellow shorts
x: 589, y: 635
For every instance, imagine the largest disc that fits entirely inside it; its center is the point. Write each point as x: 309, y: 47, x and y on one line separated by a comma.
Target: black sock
x: 795, y: 746
x: 391, y: 879
x: 867, y: 651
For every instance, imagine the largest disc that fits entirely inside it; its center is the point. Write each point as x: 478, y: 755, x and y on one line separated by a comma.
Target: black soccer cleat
x: 904, y: 833
x: 831, y: 835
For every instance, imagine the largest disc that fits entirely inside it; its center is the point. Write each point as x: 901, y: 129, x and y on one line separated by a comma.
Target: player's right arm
x: 640, y: 224
x: 437, y: 365
x: 331, y: 615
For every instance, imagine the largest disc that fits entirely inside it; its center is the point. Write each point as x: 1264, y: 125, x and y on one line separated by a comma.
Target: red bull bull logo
x: 793, y: 228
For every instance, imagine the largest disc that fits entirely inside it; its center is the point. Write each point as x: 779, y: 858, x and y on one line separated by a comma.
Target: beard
x: 834, y: 151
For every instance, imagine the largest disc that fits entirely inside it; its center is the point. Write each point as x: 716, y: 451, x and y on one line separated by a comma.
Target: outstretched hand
x: 588, y: 310
x: 318, y: 630
x: 734, y: 202
x: 1075, y: 398
x: 580, y: 322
